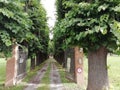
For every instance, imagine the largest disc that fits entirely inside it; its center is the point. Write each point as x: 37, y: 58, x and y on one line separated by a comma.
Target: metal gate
x: 70, y: 63
x: 21, y: 63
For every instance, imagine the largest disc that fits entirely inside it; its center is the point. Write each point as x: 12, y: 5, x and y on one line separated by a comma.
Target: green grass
x: 69, y: 85
x: 3, y: 76
x: 62, y: 73
x: 113, y: 63
x: 85, y: 70
x: 33, y: 72
x: 17, y: 87
x: 26, y: 79
x: 113, y: 71
x: 2, y: 70
x: 45, y: 82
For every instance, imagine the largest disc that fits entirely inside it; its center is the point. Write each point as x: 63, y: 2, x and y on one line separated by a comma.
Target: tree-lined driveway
x: 54, y: 77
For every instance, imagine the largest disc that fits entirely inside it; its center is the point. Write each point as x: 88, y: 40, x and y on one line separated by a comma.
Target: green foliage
x: 14, y: 24
x: 59, y: 34
x: 23, y: 22
x: 39, y: 28
x: 90, y: 24
x: 61, y: 10
x: 50, y: 47
x: 45, y: 80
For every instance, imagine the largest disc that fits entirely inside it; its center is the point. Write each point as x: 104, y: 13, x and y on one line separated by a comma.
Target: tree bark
x: 40, y: 57
x: 38, y: 60
x: 97, y: 70
x: 32, y: 63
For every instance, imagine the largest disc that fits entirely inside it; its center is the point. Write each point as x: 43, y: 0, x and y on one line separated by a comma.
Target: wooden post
x: 79, y: 66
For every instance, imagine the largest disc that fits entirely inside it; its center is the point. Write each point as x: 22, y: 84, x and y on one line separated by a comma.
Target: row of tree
x: 93, y: 25
x: 24, y: 22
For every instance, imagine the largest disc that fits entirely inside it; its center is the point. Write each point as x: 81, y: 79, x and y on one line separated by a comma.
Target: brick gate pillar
x: 79, y: 66
x: 11, y: 68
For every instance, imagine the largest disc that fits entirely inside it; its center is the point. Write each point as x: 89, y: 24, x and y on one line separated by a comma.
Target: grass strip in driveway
x: 32, y: 73
x: 69, y: 85
x: 45, y: 82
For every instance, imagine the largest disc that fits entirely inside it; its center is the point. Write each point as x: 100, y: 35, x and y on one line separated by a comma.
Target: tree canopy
x: 14, y: 24
x: 39, y: 28
x: 93, y: 25
x: 90, y: 24
x: 23, y: 22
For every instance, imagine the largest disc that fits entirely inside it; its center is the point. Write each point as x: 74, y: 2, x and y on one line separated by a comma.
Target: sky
x: 50, y: 8
x: 49, y: 5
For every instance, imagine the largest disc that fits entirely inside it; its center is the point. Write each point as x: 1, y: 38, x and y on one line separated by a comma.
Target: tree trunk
x: 40, y: 58
x: 32, y: 63
x: 38, y: 61
x: 43, y: 58
x: 97, y: 70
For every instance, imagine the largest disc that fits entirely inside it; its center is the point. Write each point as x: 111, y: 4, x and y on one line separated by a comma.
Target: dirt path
x: 33, y: 84
x: 55, y: 78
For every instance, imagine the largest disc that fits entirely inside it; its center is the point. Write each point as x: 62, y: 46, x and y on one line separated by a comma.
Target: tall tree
x: 60, y: 9
x: 38, y: 46
x: 58, y: 40
x: 93, y: 25
x: 14, y: 24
